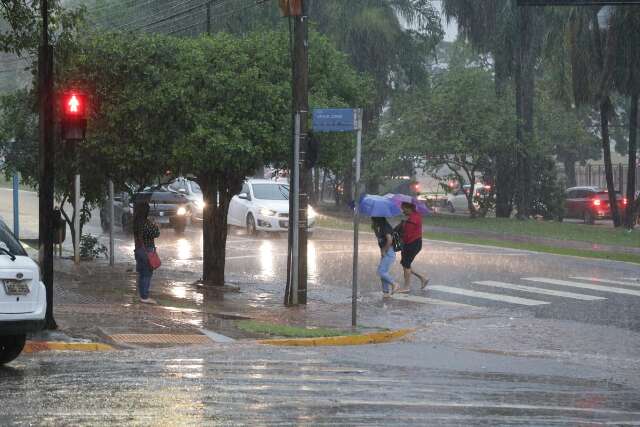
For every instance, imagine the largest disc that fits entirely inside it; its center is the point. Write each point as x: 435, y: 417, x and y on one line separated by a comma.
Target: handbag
x: 154, y: 259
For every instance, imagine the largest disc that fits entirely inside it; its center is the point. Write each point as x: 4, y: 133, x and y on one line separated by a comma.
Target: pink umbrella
x: 399, y: 199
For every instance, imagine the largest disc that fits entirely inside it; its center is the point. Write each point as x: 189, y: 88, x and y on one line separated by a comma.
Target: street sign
x: 335, y: 120
x: 575, y: 2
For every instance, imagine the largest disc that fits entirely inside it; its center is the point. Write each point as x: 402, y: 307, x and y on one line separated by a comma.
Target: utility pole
x: 46, y: 162
x: 298, y: 285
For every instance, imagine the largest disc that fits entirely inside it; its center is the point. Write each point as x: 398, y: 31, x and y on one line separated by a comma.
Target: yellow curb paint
x: 373, y: 338
x: 37, y: 346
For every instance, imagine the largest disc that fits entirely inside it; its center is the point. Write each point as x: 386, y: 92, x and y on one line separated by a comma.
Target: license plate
x: 163, y: 220
x: 12, y: 287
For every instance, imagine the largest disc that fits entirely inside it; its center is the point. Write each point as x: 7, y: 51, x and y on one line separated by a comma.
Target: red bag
x: 154, y: 259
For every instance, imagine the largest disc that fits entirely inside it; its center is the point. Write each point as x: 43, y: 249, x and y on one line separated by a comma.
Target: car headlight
x: 200, y: 204
x: 311, y: 212
x: 182, y: 211
x: 267, y: 212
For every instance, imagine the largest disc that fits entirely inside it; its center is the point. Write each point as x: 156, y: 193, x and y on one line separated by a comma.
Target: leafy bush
x: 91, y: 248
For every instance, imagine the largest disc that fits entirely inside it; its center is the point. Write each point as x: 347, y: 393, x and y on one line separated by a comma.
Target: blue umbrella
x: 378, y: 206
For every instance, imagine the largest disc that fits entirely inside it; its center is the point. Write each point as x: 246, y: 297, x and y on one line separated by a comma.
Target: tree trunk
x: 631, y: 173
x: 214, y: 230
x: 525, y: 94
x: 605, y: 107
x: 570, y: 170
x: 503, y: 185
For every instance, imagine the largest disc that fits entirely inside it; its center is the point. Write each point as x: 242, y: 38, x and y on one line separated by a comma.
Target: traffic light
x: 73, y: 110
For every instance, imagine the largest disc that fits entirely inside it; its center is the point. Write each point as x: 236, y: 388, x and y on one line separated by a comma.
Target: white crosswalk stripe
x: 592, y: 287
x: 423, y: 300
x: 613, y: 282
x: 485, y: 295
x: 539, y: 290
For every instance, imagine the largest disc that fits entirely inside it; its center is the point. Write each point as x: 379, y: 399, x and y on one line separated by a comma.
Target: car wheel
x: 589, y: 218
x: 180, y: 227
x: 450, y: 207
x: 10, y: 347
x: 251, y: 225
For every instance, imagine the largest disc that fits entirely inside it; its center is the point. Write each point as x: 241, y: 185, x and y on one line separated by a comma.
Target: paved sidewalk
x: 97, y: 302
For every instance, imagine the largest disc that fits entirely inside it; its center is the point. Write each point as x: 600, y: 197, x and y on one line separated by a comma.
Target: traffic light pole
x: 298, y: 248
x: 46, y: 162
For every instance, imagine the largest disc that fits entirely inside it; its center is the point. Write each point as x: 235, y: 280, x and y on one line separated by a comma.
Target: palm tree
x: 512, y: 35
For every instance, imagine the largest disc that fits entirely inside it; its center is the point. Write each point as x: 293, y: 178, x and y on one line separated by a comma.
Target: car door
x: 569, y: 204
x: 235, y: 217
x: 460, y: 200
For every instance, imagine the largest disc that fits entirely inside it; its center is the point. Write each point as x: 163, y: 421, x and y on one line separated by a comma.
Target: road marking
x: 484, y: 295
x: 539, y: 290
x: 599, y: 288
x: 635, y: 279
x: 613, y: 282
x: 423, y: 300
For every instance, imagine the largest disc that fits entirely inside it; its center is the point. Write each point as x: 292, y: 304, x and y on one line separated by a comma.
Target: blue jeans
x: 144, y: 272
x: 383, y: 270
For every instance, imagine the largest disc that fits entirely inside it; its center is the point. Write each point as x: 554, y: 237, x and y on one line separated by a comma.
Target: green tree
x: 459, y: 123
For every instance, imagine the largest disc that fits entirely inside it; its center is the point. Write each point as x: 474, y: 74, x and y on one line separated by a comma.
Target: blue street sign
x: 334, y: 120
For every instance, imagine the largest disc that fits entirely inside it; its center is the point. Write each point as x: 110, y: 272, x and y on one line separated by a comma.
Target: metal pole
x: 295, y: 224
x: 111, y: 216
x: 76, y: 221
x: 356, y: 222
x: 16, y: 206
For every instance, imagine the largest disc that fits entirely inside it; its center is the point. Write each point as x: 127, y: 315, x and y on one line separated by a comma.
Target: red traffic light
x: 74, y: 105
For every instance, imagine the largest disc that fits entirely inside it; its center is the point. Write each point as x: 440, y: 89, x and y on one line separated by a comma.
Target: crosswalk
x: 527, y: 291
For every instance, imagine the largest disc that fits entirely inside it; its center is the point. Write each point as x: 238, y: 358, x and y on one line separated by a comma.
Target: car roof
x: 265, y: 181
x: 590, y: 188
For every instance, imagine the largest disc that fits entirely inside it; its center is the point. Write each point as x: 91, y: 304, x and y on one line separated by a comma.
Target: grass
x: 547, y: 229
x: 536, y: 247
x: 513, y: 227
x: 279, y: 330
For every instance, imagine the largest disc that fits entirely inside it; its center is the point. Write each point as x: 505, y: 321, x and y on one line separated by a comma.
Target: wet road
x: 246, y: 384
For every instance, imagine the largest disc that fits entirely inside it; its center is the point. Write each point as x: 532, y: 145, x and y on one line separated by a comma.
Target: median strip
x: 372, y: 338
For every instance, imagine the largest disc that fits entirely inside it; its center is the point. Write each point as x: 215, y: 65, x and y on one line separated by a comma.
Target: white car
x: 457, y: 201
x: 23, y: 302
x: 263, y: 205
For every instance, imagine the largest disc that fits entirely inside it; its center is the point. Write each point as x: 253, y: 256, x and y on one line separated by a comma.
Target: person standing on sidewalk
x: 412, y: 245
x: 383, y: 230
x: 145, y: 232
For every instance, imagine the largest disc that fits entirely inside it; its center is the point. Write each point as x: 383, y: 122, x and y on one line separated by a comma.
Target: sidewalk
x: 96, y: 302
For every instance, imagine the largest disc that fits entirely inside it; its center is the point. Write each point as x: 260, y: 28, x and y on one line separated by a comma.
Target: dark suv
x: 590, y: 203
x: 167, y: 208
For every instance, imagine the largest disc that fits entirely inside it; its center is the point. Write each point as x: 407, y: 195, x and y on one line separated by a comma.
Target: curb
x: 38, y: 346
x: 373, y: 338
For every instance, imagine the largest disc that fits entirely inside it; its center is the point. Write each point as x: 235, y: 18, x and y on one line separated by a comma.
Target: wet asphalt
x: 541, y: 340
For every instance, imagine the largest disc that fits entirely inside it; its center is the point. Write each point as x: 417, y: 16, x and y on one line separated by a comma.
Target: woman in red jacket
x: 412, y: 245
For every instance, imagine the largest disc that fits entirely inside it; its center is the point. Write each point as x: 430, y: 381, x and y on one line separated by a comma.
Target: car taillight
x: 624, y: 201
x: 596, y: 202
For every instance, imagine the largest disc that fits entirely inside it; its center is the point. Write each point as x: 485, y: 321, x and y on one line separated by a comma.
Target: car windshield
x: 271, y: 191
x: 8, y: 242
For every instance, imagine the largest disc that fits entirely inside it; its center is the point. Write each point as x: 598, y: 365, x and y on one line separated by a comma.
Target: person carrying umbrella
x: 412, y: 245
x: 379, y: 209
x: 383, y: 230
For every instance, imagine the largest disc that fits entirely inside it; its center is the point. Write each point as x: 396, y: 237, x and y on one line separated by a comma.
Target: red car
x: 590, y: 203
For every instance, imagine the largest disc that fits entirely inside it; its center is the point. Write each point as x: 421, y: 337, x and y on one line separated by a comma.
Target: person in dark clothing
x: 412, y: 245
x: 145, y: 232
x: 383, y: 230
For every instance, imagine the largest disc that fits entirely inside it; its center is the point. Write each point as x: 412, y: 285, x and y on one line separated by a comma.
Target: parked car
x: 167, y: 208
x: 263, y: 205
x: 23, y: 301
x: 457, y: 201
x: 590, y: 203
x: 191, y: 190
